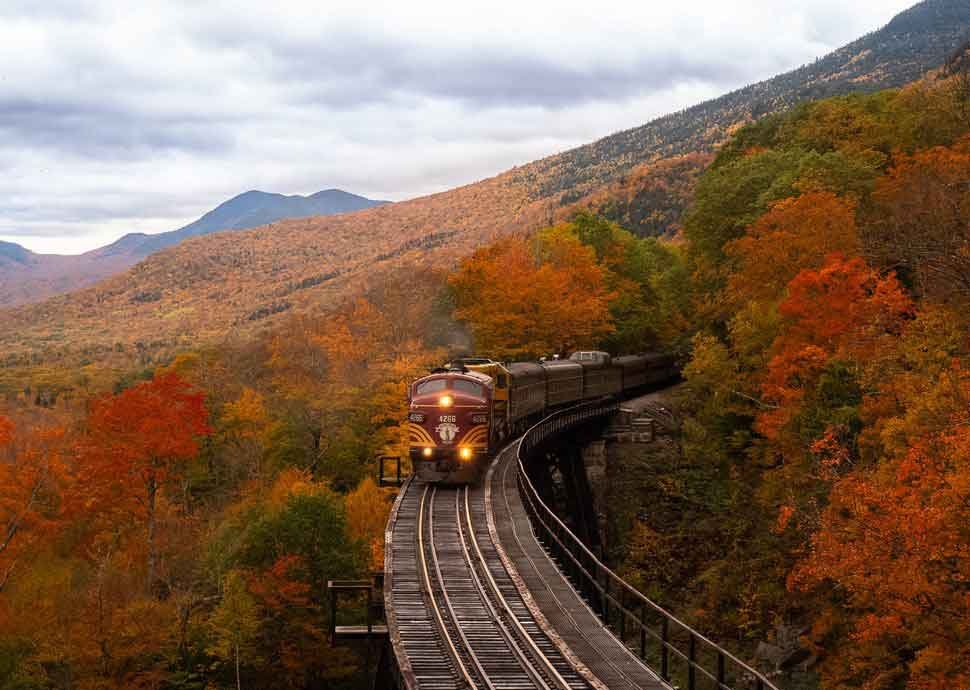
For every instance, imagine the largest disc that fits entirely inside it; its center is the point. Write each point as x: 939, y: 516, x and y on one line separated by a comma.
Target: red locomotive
x: 461, y: 413
x: 449, y: 421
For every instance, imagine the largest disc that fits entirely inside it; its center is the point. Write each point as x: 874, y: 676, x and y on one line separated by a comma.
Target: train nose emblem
x: 447, y: 431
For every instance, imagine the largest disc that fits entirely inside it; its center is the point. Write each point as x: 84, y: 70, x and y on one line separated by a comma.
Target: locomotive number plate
x: 445, y: 418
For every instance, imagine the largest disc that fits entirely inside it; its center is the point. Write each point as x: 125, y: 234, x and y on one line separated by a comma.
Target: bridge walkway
x: 600, y: 655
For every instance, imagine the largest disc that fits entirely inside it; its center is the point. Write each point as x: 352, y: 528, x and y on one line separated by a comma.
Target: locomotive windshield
x: 467, y: 387
x: 432, y: 386
x: 460, y: 385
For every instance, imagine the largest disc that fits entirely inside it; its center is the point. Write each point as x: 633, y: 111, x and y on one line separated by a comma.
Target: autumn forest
x: 171, y: 522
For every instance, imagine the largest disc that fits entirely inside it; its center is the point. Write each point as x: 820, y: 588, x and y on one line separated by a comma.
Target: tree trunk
x: 238, y: 681
x: 185, y: 612
x: 102, y: 635
x: 152, y: 490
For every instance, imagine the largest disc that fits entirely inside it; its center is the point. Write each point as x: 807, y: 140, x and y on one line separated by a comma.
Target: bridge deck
x: 472, y: 598
x: 595, y: 648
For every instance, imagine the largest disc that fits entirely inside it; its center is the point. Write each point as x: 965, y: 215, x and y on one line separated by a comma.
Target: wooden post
x: 691, y: 661
x: 643, y: 630
x: 370, y: 611
x: 622, y: 613
x: 333, y: 614
x: 664, y: 653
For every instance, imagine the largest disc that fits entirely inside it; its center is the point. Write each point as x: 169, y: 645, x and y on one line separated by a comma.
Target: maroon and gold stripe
x: 419, y: 436
x: 476, y: 437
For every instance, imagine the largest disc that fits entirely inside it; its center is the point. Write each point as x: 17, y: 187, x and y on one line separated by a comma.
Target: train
x: 461, y: 414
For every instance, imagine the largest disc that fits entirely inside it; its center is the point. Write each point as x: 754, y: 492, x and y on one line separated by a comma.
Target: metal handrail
x: 592, y: 574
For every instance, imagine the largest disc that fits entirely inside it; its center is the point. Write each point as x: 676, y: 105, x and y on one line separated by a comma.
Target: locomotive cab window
x: 463, y: 386
x: 432, y: 386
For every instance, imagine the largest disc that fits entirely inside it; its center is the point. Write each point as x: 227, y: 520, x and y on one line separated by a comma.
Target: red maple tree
x: 138, y: 440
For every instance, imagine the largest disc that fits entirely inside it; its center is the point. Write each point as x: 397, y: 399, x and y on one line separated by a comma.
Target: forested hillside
x: 179, y: 530
x: 827, y: 427
x: 206, y: 288
x: 914, y: 42
x: 232, y: 286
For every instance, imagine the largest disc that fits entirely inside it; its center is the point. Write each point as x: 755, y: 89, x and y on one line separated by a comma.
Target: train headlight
x: 465, y: 453
x: 479, y: 419
x: 417, y: 417
x: 427, y: 452
x: 445, y: 401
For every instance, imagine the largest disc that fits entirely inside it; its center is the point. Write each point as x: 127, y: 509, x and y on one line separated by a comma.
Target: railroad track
x: 460, y: 617
x: 483, y: 589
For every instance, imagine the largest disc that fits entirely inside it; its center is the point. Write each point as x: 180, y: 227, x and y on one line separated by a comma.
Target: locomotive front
x: 449, y: 418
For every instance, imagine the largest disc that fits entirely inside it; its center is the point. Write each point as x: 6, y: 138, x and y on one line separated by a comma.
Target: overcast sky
x: 116, y: 120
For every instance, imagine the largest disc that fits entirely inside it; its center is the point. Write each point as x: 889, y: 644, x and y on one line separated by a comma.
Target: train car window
x: 503, y: 381
x: 431, y: 386
x: 467, y: 387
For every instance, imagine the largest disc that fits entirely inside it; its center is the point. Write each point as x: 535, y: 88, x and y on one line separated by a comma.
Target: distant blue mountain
x: 29, y: 277
x: 247, y: 210
x: 14, y: 253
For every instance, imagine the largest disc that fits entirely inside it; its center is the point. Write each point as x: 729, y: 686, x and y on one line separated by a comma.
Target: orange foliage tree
x: 293, y: 625
x: 795, y: 234
x: 842, y: 310
x: 920, y: 221
x: 137, y: 441
x: 367, y: 511
x: 894, y: 543
x: 6, y: 431
x: 33, y: 466
x: 545, y: 296
x: 245, y: 424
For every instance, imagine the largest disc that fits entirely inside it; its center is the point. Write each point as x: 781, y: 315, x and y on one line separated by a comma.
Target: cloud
x: 143, y: 118
x: 106, y: 131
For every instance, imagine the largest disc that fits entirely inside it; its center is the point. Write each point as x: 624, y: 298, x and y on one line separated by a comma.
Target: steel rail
x: 523, y: 634
x: 470, y: 642
x: 426, y: 576
x: 514, y: 646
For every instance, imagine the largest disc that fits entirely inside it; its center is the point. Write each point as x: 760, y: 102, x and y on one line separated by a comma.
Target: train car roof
x: 558, y: 363
x: 472, y: 361
x: 526, y: 368
x: 630, y: 359
x: 588, y: 355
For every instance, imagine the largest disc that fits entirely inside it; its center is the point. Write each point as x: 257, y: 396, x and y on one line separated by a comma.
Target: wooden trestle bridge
x: 485, y: 587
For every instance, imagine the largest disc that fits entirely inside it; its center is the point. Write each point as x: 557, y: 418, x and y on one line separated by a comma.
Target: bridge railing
x: 677, y: 652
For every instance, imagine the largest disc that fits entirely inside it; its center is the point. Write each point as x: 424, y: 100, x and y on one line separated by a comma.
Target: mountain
x: 221, y: 285
x: 26, y: 276
x: 13, y: 254
x: 916, y: 41
x: 29, y: 277
x: 247, y: 210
